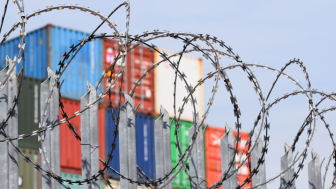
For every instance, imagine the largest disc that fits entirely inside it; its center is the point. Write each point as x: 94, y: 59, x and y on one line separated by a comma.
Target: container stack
x: 137, y: 61
x: 46, y: 47
x: 164, y: 96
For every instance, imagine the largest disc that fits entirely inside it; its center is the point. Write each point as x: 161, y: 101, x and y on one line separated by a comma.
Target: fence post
x: 9, y: 172
x: 260, y: 177
x: 227, y: 153
x: 89, y: 134
x: 314, y: 172
x: 50, y: 137
x: 127, y: 149
x: 196, y: 162
x: 162, y: 144
x: 286, y: 160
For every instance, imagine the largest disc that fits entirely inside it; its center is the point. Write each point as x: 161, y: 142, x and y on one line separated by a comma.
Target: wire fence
x: 48, y: 131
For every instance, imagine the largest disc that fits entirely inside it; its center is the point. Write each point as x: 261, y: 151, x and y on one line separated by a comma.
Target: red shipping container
x: 213, y: 157
x: 70, y: 147
x: 137, y: 61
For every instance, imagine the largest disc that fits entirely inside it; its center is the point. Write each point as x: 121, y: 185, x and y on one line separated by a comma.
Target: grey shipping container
x: 29, y: 112
x: 29, y: 177
x: 46, y: 46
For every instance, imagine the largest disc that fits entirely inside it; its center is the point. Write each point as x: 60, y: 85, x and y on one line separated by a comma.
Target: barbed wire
x: 127, y: 45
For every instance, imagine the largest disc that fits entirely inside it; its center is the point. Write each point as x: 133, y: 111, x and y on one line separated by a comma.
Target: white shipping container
x: 164, y: 77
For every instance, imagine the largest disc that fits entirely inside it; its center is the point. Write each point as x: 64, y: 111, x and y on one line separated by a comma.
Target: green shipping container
x: 75, y: 177
x: 182, y: 180
x: 29, y: 112
x: 28, y: 175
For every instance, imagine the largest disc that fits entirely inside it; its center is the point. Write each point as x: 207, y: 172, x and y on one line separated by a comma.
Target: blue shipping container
x: 45, y: 47
x: 36, y: 53
x: 144, y: 128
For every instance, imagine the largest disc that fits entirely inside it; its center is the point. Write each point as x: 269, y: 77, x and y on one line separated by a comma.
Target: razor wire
x: 126, y: 41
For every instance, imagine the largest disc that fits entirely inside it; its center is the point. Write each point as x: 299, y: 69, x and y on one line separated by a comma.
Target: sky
x: 260, y: 31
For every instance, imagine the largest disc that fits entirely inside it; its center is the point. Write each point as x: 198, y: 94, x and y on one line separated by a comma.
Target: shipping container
x: 29, y: 112
x: 164, y: 77
x: 116, y: 185
x: 137, y: 61
x: 213, y: 157
x: 75, y: 177
x: 182, y: 180
x: 29, y: 177
x: 46, y: 46
x: 144, y: 128
x: 36, y: 53
x: 70, y: 147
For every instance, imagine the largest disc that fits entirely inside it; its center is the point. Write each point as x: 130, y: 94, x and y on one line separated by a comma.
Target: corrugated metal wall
x: 144, y: 143
x: 86, y: 66
x: 29, y: 112
x: 36, y: 53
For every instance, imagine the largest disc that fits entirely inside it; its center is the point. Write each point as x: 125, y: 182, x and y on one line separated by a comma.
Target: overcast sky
x: 264, y: 32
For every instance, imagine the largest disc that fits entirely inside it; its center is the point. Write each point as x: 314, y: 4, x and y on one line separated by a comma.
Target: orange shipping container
x: 137, y: 61
x: 213, y: 157
x: 71, y: 147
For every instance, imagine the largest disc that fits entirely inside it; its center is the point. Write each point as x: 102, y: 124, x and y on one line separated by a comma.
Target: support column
x: 9, y: 172
x: 51, y: 138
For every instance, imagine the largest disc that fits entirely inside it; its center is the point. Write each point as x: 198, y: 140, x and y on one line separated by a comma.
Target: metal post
x: 51, y: 137
x: 89, y: 133
x: 196, y: 163
x: 167, y: 144
x: 227, y: 153
x: 314, y: 172
x: 260, y: 177
x: 286, y: 160
x: 159, y: 147
x: 9, y: 156
x: 162, y: 146
x: 127, y: 143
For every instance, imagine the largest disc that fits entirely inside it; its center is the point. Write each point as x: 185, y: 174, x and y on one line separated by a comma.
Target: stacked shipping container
x: 29, y: 177
x: 182, y: 180
x: 71, y: 147
x: 29, y: 112
x: 137, y: 61
x: 213, y: 157
x: 46, y: 46
x: 144, y: 129
x: 164, y: 84
x: 75, y: 177
x: 164, y: 95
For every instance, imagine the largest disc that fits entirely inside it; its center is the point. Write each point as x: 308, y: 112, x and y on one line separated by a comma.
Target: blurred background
x: 265, y: 32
